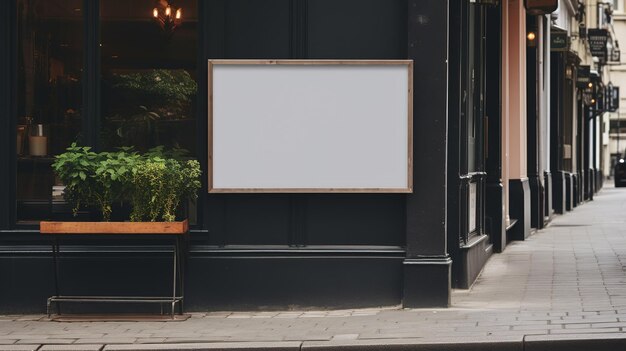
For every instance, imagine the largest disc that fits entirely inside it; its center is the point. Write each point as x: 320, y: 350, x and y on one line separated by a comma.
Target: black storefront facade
x: 59, y: 65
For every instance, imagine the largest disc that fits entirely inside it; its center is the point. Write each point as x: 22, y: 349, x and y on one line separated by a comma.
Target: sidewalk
x: 562, y: 288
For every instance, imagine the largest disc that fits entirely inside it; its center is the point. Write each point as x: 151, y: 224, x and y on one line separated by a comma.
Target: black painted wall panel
x: 256, y: 220
x: 19, y: 295
x: 242, y: 283
x: 292, y: 29
x: 357, y: 219
x: 257, y: 29
x: 212, y: 283
x: 363, y: 29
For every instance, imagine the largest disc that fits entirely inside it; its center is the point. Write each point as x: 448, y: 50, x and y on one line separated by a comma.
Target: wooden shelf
x: 114, y: 227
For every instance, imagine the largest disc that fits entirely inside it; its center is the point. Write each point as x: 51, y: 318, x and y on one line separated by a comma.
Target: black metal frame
x: 179, y: 252
x: 91, y: 78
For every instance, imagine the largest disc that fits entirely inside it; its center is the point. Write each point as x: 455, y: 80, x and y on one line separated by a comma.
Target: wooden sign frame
x: 409, y: 189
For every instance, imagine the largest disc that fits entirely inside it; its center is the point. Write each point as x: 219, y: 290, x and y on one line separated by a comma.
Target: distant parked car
x: 620, y: 172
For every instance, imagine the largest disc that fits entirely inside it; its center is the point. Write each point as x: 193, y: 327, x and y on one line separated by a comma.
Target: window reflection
x: 148, y: 73
x: 48, y: 100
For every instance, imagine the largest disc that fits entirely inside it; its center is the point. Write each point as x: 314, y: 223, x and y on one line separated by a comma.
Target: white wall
x: 617, y: 76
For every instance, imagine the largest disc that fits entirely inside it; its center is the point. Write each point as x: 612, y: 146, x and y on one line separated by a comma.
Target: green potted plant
x: 154, y: 184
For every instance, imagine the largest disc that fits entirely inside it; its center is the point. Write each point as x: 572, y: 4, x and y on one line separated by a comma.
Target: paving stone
x: 47, y: 341
x: 19, y: 347
x: 200, y: 339
x: 107, y: 340
x: 153, y: 340
x: 71, y: 348
x: 577, y: 326
x: 586, y: 331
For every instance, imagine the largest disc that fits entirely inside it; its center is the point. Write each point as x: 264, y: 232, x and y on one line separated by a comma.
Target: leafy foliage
x: 113, y: 174
x: 160, y: 184
x: 155, y: 183
x: 168, y: 87
x: 76, y: 169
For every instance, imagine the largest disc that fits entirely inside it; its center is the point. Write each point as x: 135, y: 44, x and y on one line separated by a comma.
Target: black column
x: 533, y: 79
x: 457, y: 28
x: 427, y: 264
x: 557, y: 62
x: 586, y: 156
x: 594, y: 153
x: 579, y: 178
x: 494, y: 194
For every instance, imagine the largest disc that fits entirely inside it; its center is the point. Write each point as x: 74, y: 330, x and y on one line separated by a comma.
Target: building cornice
x: 571, y: 6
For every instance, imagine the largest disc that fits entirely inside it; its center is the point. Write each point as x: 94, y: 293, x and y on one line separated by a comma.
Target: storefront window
x: 475, y: 98
x: 147, y: 87
x: 148, y: 60
x: 49, y: 65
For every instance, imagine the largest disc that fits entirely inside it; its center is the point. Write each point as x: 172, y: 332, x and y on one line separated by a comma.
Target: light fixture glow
x: 590, y: 85
x: 167, y: 16
x: 531, y: 36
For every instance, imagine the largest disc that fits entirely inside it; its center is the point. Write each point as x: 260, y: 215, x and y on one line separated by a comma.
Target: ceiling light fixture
x: 167, y: 16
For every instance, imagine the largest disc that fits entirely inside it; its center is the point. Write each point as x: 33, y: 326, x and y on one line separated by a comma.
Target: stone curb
x: 462, y: 344
x: 216, y: 346
x: 573, y: 342
x: 576, y: 342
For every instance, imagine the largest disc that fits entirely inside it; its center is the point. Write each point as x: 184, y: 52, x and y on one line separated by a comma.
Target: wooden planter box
x: 114, y: 227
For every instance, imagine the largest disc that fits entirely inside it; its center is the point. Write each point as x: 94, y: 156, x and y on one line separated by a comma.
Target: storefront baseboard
x: 575, y: 190
x: 580, y: 180
x: 536, y: 201
x: 569, y: 192
x: 599, y: 180
x: 427, y: 282
x: 215, y: 279
x: 558, y: 192
x: 474, y: 255
x: 519, y: 208
x: 589, y: 184
x: 548, y: 210
x: 495, y: 224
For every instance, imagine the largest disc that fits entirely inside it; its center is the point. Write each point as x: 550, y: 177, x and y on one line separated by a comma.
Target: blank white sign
x: 310, y: 126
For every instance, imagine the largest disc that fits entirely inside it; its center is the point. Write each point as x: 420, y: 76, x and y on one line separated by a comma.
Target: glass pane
x: 473, y: 77
x: 148, y: 57
x: 50, y: 52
